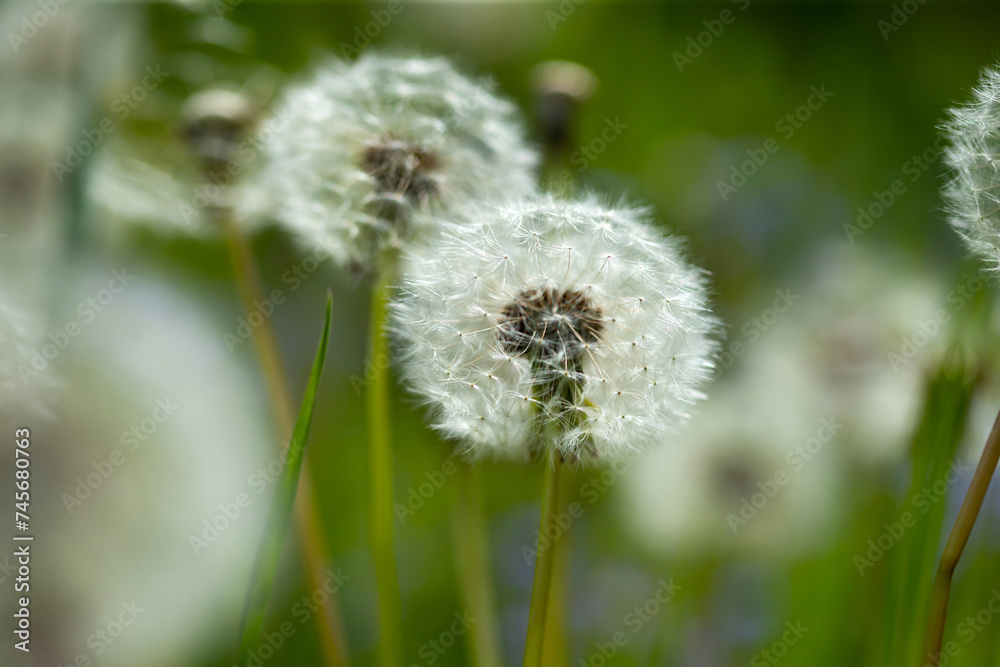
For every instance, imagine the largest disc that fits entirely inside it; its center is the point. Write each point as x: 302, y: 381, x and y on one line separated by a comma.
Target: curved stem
x: 956, y: 545
x: 472, y: 557
x: 541, y: 592
x: 381, y: 475
x: 314, y: 553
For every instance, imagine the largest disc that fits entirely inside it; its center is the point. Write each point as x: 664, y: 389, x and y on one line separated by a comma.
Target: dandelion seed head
x: 365, y: 155
x: 691, y: 501
x: 972, y: 192
x: 575, y: 319
x: 184, y: 186
x: 214, y: 122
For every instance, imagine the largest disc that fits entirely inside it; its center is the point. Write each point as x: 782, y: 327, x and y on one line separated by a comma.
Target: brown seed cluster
x: 402, y: 168
x: 214, y: 123
x: 550, y: 324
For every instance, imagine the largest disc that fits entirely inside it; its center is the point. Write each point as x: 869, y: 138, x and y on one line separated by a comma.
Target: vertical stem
x: 331, y: 635
x: 544, y: 564
x: 956, y: 545
x: 554, y: 648
x: 472, y: 557
x: 381, y: 475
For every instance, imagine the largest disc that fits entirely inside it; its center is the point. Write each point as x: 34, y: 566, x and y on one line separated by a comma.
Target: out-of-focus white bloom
x: 856, y: 342
x: 179, y: 186
x: 973, y: 191
x: 161, y: 428
x: 22, y: 389
x: 752, y: 476
x: 365, y: 153
x: 568, y: 324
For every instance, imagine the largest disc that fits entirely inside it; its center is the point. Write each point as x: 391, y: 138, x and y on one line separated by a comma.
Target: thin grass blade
x: 268, y: 554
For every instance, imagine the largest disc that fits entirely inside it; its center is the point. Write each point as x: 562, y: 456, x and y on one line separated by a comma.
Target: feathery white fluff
x: 973, y: 190
x: 363, y: 154
x: 572, y: 318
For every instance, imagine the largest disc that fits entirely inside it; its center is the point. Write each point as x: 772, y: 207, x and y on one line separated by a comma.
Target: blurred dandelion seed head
x: 736, y: 484
x: 972, y: 192
x: 214, y: 122
x: 364, y: 155
x: 543, y: 312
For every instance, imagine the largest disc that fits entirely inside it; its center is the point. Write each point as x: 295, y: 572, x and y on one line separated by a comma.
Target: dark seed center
x: 550, y: 324
x: 402, y: 168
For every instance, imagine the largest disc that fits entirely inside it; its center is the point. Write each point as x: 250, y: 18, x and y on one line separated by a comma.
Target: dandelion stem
x: 549, y: 534
x: 554, y: 648
x: 472, y: 556
x: 314, y: 553
x: 956, y: 545
x: 381, y: 475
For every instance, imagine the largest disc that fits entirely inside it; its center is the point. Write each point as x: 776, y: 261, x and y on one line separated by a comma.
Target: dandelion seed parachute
x: 361, y: 154
x: 520, y: 316
x: 972, y: 192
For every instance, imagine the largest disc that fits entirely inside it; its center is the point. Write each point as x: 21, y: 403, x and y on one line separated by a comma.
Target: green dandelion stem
x: 381, y: 475
x: 959, y: 537
x: 472, y: 558
x: 549, y: 534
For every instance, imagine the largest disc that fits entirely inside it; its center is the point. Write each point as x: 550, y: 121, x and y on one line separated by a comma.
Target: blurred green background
x: 863, y: 294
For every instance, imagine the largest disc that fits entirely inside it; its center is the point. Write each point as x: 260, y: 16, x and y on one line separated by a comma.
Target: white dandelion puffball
x: 363, y: 152
x: 568, y: 324
x: 973, y: 190
x: 751, y: 477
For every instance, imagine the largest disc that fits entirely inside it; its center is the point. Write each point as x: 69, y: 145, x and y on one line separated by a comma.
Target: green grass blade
x: 268, y: 553
x: 935, y: 444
